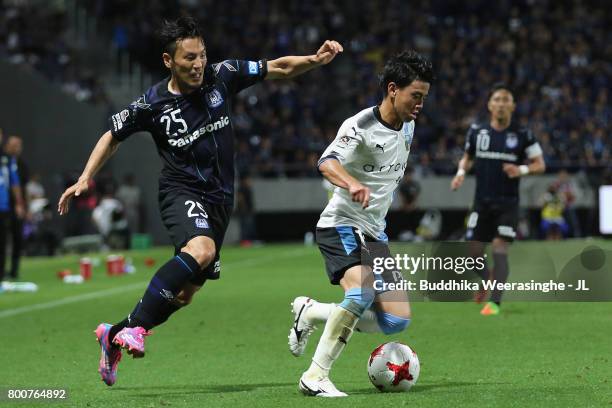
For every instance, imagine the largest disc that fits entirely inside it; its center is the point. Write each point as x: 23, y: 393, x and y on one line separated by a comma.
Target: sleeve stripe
x: 534, y: 150
x: 325, y: 158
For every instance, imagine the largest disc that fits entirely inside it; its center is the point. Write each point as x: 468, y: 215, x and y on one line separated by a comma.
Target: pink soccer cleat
x: 132, y: 339
x: 110, y: 355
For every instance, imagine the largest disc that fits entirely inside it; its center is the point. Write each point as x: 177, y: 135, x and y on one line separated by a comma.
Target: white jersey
x: 377, y: 156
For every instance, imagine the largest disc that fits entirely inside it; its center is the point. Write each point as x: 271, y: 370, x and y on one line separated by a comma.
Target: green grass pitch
x: 229, y: 348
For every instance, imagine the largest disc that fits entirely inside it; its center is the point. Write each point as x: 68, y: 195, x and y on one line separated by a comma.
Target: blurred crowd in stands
x: 556, y: 55
x: 36, y: 34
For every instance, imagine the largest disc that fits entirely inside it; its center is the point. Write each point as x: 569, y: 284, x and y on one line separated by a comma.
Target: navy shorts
x: 493, y: 221
x: 187, y: 215
x: 343, y: 247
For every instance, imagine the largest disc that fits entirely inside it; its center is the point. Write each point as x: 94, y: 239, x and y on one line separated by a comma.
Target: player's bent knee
x: 203, y: 253
x: 390, y: 324
x: 358, y: 300
x: 207, y: 256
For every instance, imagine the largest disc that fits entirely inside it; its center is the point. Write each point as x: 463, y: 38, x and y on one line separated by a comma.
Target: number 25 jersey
x: 193, y: 133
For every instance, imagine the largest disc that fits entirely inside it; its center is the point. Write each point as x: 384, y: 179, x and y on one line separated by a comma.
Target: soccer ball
x: 393, y: 367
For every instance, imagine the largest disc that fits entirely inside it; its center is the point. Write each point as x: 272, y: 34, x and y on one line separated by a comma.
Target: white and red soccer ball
x: 393, y: 367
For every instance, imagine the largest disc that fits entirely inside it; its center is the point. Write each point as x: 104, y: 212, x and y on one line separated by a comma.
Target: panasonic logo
x: 211, y: 127
x: 496, y: 155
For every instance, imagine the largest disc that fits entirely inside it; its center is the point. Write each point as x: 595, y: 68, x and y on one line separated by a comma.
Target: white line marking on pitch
x: 139, y: 285
x: 71, y: 299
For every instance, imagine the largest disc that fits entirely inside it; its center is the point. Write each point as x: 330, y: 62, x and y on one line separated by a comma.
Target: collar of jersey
x: 385, y: 124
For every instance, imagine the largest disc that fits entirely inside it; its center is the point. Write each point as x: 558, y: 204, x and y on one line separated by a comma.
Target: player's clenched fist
x: 328, y: 51
x: 360, y: 194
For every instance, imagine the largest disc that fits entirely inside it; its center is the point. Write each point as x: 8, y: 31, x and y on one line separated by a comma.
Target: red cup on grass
x: 86, y: 267
x: 114, y: 265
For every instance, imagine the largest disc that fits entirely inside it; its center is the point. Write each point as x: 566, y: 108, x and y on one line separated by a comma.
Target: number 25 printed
x: 193, y: 212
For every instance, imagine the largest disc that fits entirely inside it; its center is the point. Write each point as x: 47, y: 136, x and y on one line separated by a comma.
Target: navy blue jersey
x: 193, y: 133
x: 490, y: 149
x: 8, y: 179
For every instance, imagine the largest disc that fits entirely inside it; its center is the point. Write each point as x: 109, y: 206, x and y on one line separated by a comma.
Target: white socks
x: 338, y: 331
x: 319, y: 312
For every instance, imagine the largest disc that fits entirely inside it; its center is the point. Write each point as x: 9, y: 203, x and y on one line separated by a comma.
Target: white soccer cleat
x: 319, y: 388
x: 301, y: 329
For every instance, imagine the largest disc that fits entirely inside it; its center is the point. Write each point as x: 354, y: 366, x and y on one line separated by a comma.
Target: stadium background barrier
x: 288, y: 208
x: 309, y: 194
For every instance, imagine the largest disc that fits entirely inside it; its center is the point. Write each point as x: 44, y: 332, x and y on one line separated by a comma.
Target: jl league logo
x: 201, y: 223
x: 511, y: 141
x: 214, y: 98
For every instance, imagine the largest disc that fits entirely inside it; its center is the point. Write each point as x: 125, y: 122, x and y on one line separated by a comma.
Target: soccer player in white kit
x: 366, y: 163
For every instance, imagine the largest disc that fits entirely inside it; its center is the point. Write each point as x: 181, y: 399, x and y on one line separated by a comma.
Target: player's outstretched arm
x: 333, y: 171
x: 105, y: 148
x: 465, y: 164
x: 292, y: 66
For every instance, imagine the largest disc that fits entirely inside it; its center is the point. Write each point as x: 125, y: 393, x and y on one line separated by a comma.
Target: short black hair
x: 499, y: 86
x: 405, y: 67
x: 176, y: 30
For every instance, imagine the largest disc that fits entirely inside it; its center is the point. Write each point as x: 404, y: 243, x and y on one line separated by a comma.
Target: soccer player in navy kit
x: 188, y: 115
x: 497, y: 151
x: 11, y: 200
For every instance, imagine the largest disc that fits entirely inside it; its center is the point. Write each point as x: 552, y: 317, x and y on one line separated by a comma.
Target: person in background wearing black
x: 10, y: 197
x: 13, y: 148
x: 500, y: 152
